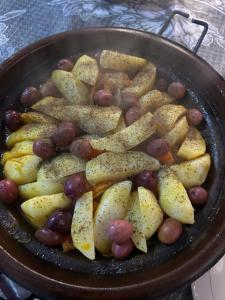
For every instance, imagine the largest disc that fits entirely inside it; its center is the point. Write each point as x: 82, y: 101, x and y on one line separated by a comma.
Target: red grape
x: 119, y: 231
x: 8, y: 191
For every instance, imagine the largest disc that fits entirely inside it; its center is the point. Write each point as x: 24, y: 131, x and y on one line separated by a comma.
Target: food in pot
x: 170, y: 231
x: 198, y: 195
x: 65, y: 64
x: 120, y: 231
x: 60, y: 221
x: 48, y: 237
x: 48, y: 88
x: 103, y: 98
x: 30, y: 96
x: 194, y: 116
x: 12, y: 120
x: 122, y: 250
x: 64, y: 134
x: 132, y: 115
x: 44, y: 148
x: 8, y: 191
x: 111, y: 162
x: 176, y: 90
x: 147, y: 179
x: 75, y: 186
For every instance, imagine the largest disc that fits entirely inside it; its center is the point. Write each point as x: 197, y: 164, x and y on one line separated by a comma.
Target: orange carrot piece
x: 167, y: 159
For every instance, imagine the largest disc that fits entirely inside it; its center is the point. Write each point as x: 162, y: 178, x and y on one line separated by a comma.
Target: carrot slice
x: 167, y: 159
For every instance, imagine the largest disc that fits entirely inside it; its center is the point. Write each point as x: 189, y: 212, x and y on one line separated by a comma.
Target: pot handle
x: 196, y: 21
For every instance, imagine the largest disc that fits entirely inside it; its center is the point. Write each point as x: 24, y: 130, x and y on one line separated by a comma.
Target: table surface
x: 25, y: 21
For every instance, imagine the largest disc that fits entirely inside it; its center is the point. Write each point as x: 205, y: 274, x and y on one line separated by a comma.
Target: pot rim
x: 190, y: 268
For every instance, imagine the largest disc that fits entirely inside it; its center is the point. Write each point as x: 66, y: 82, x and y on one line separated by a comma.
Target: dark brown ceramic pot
x: 70, y: 276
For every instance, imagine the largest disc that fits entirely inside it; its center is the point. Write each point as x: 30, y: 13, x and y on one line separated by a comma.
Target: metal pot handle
x: 196, y: 21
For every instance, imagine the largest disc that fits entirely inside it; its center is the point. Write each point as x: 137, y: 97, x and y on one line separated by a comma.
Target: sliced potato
x: 127, y: 138
x: 20, y: 149
x: 193, y: 146
x: 35, y: 117
x: 73, y: 89
x: 86, y: 69
x: 90, y: 136
x: 82, y: 231
x: 110, y: 166
x: 177, y: 134
x: 152, y: 215
x: 134, y: 216
x: 120, y: 125
x: 194, y: 172
x: 167, y: 99
x: 40, y: 188
x: 48, y: 102
x: 91, y: 119
x: 22, y: 169
x: 115, y: 79
x: 60, y: 166
x: 154, y: 99
x: 113, y: 206
x: 38, y: 209
x: 30, y: 132
x: 143, y: 81
x: 173, y: 197
x: 166, y: 117
x: 121, y: 62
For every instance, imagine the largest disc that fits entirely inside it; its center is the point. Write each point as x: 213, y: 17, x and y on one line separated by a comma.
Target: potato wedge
x: 110, y: 166
x: 134, y: 216
x: 194, y: 172
x: 82, y: 228
x: 113, y: 206
x: 20, y: 149
x: 143, y: 81
x: 40, y: 188
x: 22, y: 169
x: 127, y: 138
x: 48, y: 102
x: 60, y: 166
x: 35, y: 117
x: 30, y: 132
x: 120, y: 126
x: 178, y: 133
x: 91, y: 119
x: 75, y: 91
x: 86, y: 70
x: 90, y: 136
x: 152, y: 214
x: 121, y: 62
x: 153, y: 100
x: 166, y: 117
x: 173, y: 197
x: 193, y: 146
x: 111, y: 80
x: 167, y: 99
x: 38, y: 209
